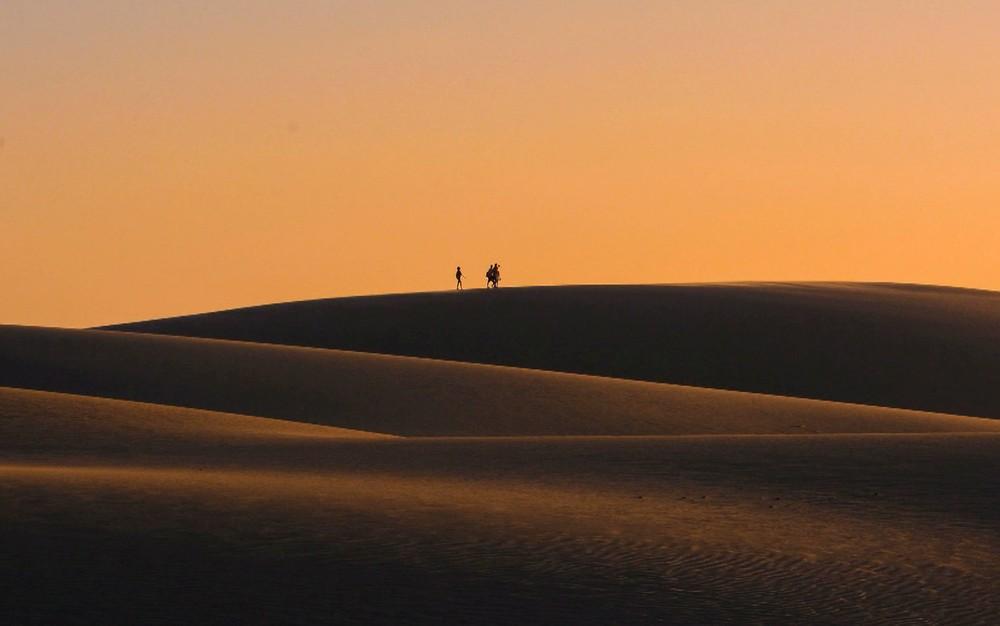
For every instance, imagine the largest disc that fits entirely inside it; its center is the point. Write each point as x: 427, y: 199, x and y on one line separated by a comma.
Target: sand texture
x: 147, y: 478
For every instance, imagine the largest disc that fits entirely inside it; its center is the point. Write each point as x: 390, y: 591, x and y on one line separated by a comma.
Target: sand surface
x: 159, y: 479
x: 830, y: 528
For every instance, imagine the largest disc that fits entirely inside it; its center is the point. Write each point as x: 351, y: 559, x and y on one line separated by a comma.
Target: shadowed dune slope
x: 918, y: 347
x: 412, y: 396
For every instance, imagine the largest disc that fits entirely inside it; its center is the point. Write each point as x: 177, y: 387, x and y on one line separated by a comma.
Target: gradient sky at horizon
x: 179, y: 156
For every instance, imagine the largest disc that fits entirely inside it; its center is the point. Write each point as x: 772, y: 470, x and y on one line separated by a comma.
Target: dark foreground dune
x: 147, y: 478
x: 910, y: 346
x: 297, y: 527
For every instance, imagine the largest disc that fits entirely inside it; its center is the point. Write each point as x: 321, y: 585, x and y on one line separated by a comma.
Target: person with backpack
x: 458, y: 278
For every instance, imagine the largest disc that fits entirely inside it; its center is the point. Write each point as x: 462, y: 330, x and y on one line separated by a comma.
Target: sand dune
x: 416, y: 397
x: 907, y: 346
x: 834, y: 529
x: 149, y: 478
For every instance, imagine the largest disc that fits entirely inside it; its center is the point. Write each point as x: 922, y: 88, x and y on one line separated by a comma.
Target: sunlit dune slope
x: 412, y: 396
x: 909, y: 346
x: 47, y: 422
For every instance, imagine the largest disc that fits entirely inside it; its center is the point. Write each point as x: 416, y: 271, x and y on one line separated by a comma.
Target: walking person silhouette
x: 458, y: 278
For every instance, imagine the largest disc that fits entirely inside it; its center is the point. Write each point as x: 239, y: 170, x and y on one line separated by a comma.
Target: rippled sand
x: 290, y: 528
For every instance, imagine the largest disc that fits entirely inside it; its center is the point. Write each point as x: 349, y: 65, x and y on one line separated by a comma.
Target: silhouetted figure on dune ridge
x: 458, y: 278
x: 493, y: 276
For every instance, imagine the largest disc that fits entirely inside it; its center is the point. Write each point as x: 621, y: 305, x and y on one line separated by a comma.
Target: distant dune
x: 415, y: 397
x: 279, y: 478
x: 909, y: 346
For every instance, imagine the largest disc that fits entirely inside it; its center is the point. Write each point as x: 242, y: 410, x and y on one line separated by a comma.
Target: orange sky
x: 164, y: 158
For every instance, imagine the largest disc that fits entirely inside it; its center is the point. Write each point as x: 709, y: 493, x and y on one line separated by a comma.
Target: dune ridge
x: 907, y: 346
